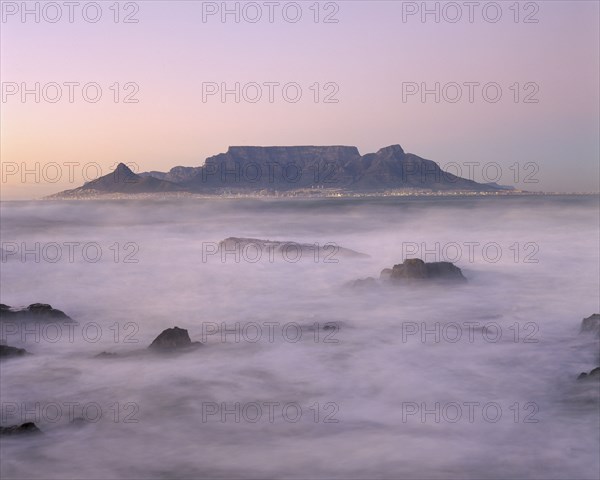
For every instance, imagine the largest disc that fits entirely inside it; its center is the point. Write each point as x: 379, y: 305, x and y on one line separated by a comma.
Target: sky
x: 493, y: 91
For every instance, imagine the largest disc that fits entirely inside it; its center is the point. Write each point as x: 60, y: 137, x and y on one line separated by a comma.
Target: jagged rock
x: 172, y: 339
x: 593, y: 375
x: 591, y: 324
x: 7, y: 351
x: 34, y: 312
x: 415, y: 269
x: 25, y: 428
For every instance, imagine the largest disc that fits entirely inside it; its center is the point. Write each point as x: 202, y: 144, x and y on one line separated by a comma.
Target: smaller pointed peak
x: 121, y: 167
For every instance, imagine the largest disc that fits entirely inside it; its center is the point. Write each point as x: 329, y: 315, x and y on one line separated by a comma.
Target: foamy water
x: 473, y: 381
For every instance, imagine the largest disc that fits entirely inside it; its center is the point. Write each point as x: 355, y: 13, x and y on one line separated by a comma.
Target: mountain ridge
x: 287, y: 168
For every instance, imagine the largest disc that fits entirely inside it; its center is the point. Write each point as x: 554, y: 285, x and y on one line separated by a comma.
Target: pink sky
x: 370, y: 53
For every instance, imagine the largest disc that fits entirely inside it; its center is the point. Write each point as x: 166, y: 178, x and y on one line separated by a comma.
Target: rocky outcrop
x: 415, y: 269
x: 27, y: 428
x: 591, y: 324
x: 272, y: 250
x: 593, y: 375
x: 7, y: 351
x: 34, y: 312
x: 172, y: 339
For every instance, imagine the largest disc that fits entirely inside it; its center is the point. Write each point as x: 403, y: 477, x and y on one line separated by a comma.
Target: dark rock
x: 415, y: 269
x: 105, y: 355
x: 7, y: 351
x: 34, y: 312
x: 25, y: 428
x: 368, y: 282
x: 591, y: 324
x: 172, y: 339
x: 385, y: 274
x: 593, y: 375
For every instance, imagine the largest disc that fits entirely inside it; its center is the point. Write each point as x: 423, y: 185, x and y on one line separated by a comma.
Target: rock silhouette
x: 34, y: 312
x: 27, y: 428
x: 416, y: 269
x: 7, y: 351
x: 172, y: 339
x: 591, y: 324
x: 593, y: 375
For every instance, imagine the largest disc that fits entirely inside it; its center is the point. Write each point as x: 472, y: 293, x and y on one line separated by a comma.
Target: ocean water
x: 300, y: 376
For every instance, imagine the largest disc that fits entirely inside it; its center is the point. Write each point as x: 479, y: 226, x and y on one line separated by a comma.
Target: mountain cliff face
x: 290, y: 168
x: 175, y: 175
x: 279, y: 168
x: 392, y: 168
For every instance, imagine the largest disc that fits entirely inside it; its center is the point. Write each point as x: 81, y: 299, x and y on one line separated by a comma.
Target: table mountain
x: 248, y: 169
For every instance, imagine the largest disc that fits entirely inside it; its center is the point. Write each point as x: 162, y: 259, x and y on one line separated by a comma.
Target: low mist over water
x: 300, y: 375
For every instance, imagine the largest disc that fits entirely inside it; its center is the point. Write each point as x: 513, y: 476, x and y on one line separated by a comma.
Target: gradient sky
x: 369, y: 53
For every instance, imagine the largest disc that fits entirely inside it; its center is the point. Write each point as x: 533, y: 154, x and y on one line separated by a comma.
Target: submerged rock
x: 7, y: 351
x: 34, y: 312
x: 417, y: 269
x: 414, y: 270
x: 593, y: 375
x: 591, y: 324
x: 172, y: 339
x: 284, y: 250
x: 363, y: 283
x: 25, y: 428
x: 106, y: 355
